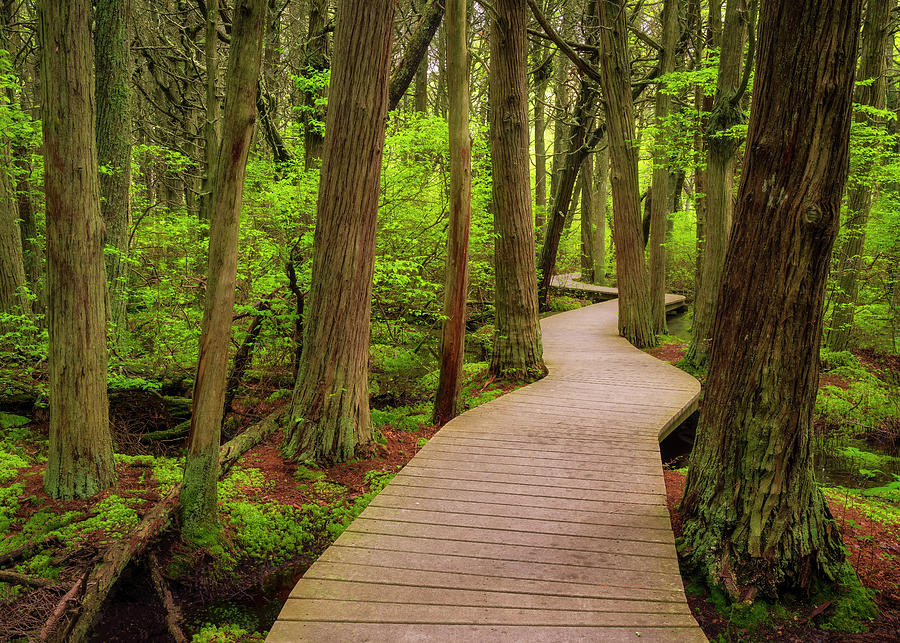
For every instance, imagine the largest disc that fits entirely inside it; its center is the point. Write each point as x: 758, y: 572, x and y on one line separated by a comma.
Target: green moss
x: 305, y: 474
x: 688, y: 367
x: 226, y: 634
x: 10, y: 421
x: 564, y: 303
x: 853, y: 606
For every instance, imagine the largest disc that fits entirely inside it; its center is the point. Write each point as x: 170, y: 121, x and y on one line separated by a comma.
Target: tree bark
x: 454, y: 325
x: 80, y: 462
x: 541, y: 80
x: 113, y: 65
x: 601, y: 188
x: 211, y: 122
x: 631, y: 270
x: 722, y: 152
x: 329, y: 415
x: 415, y: 52
x: 754, y: 514
x: 588, y: 219
x: 662, y: 183
x: 12, y: 262
x: 875, y: 37
x: 517, y: 353
x: 198, y: 498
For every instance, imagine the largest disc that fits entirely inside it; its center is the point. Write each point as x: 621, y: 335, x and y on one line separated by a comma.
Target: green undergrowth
x: 879, y: 504
x: 865, y: 405
x: 226, y: 634
x: 565, y: 303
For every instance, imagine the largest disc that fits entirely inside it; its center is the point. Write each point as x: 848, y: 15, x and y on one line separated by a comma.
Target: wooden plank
x: 366, y: 612
x: 479, y: 582
x: 391, y: 593
x: 594, y: 543
x: 493, y: 568
x: 624, y: 503
x: 331, y: 632
x: 548, y: 514
x: 493, y: 521
x: 505, y: 552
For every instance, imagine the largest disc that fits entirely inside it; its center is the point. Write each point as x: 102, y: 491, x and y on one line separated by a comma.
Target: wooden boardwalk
x: 569, y: 283
x: 539, y: 516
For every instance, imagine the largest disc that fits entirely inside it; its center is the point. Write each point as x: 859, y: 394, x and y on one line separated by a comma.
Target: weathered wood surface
x: 539, y: 516
x: 569, y: 283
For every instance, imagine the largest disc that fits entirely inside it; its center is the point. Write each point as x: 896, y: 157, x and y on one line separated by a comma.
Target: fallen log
x: 173, y: 614
x: 105, y: 573
x: 61, y: 608
x: 28, y: 549
x: 14, y: 578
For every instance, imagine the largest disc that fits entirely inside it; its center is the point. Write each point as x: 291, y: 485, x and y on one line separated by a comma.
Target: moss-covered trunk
x: 198, y: 497
x: 80, y: 461
x: 518, y: 353
x: 754, y: 515
x: 329, y: 416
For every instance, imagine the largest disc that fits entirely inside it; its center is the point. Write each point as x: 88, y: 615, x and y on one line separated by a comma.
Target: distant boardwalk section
x: 540, y: 516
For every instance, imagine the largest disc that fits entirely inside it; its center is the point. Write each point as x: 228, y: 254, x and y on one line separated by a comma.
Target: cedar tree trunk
x: 754, y: 514
x: 201, y: 470
x: 329, y: 416
x: 80, y: 462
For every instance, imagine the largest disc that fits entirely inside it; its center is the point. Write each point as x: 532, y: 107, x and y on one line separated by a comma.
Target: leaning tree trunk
x: 518, y: 353
x: 755, y: 518
x: 631, y: 270
x: 112, y: 61
x: 875, y: 36
x: 454, y: 325
x: 662, y: 183
x: 80, y: 462
x: 201, y: 470
x: 722, y: 155
x: 329, y: 415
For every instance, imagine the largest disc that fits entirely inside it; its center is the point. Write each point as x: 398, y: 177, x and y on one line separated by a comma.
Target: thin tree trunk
x: 329, y: 415
x: 201, y: 470
x: 316, y: 61
x: 601, y: 187
x: 211, y: 123
x: 518, y: 353
x: 662, y: 184
x: 112, y: 61
x: 416, y: 53
x: 875, y: 37
x: 723, y: 147
x: 756, y: 521
x: 588, y: 219
x: 454, y: 325
x: 541, y: 79
x: 631, y: 270
x: 12, y: 262
x: 80, y: 462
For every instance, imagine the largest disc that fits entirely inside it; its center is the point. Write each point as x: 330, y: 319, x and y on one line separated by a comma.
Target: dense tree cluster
x: 228, y: 190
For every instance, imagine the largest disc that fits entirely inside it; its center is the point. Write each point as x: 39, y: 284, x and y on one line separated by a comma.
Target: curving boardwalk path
x: 539, y: 516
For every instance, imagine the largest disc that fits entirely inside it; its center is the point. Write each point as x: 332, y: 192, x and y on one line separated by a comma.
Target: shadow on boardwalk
x: 540, y: 516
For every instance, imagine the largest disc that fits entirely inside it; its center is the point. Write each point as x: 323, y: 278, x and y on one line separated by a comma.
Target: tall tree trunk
x: 631, y: 270
x: 588, y: 219
x: 703, y: 104
x: 316, y: 62
x: 518, y: 353
x: 755, y: 516
x: 723, y: 147
x: 211, y: 123
x: 12, y: 262
x: 541, y: 80
x: 662, y: 184
x: 80, y: 462
x: 329, y: 415
x: 560, y: 116
x: 454, y: 325
x: 601, y: 190
x: 201, y: 470
x: 113, y: 64
x: 875, y: 36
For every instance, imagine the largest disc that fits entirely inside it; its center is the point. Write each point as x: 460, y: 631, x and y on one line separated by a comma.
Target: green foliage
x: 228, y: 633
x: 562, y: 304
x: 405, y: 418
x: 305, y: 474
x: 853, y: 606
x: 879, y: 504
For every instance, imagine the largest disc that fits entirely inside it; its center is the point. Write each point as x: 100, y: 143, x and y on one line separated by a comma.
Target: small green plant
x: 564, y: 303
x: 226, y: 634
x: 305, y: 474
